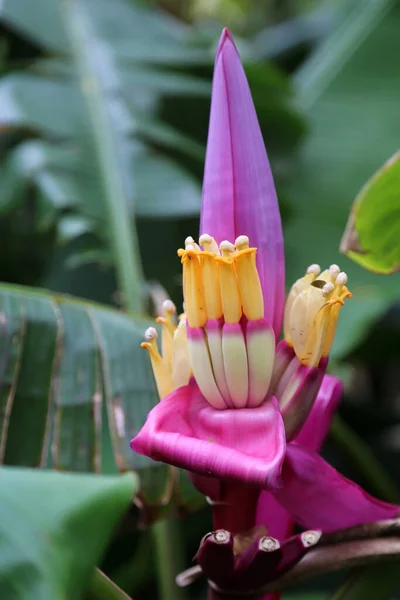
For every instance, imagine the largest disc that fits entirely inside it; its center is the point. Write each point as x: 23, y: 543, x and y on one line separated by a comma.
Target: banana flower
x: 236, y: 405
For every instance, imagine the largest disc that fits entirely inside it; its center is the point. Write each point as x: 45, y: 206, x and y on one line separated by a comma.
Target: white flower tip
x: 310, y: 538
x: 334, y: 270
x: 150, y: 334
x: 226, y: 247
x: 221, y: 536
x: 328, y: 288
x: 316, y: 269
x: 189, y: 241
x: 168, y: 307
x: 341, y: 279
x: 204, y: 239
x: 242, y: 242
x: 268, y: 544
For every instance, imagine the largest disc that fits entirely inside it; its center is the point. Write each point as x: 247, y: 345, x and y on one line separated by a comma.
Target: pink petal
x: 319, y: 497
x: 276, y: 519
x: 316, y: 428
x: 239, y: 195
x: 186, y: 431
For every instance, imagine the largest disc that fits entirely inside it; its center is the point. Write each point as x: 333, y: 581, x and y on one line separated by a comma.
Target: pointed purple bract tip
x: 225, y: 35
x: 238, y: 189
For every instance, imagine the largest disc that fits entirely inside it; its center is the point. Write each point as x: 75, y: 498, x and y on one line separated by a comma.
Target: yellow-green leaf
x: 372, y: 235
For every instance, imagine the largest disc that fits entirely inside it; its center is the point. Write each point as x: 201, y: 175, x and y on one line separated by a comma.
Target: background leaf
x: 54, y: 528
x: 75, y: 387
x: 111, y: 117
x: 372, y: 236
x: 86, y: 104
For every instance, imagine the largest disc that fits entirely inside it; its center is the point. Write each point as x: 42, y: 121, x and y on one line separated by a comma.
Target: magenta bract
x: 244, y: 445
x: 238, y: 189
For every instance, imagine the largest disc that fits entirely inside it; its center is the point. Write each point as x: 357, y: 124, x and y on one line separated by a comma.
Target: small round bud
x: 169, y: 307
x: 334, y: 271
x: 341, y: 279
x: 328, y: 289
x: 205, y: 239
x: 226, y: 248
x: 316, y: 269
x: 150, y: 334
x: 242, y: 242
x: 189, y: 241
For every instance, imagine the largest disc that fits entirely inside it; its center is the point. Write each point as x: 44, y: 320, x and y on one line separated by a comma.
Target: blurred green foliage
x: 48, y: 547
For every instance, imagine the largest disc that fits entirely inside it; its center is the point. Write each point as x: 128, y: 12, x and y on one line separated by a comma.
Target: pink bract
x: 244, y: 445
x: 239, y: 194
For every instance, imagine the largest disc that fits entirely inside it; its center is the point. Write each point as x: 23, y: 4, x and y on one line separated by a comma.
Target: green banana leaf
x: 90, y: 103
x: 54, y: 528
x: 372, y: 235
x: 75, y: 387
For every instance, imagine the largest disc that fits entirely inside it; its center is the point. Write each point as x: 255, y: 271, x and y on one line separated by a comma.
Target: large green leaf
x: 75, y: 387
x: 54, y: 528
x: 372, y: 236
x: 351, y: 90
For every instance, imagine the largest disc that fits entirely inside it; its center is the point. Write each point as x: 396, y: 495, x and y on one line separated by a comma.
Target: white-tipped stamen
x: 334, y: 271
x: 151, y: 334
x: 242, y: 242
x: 341, y: 279
x: 227, y: 248
x: 208, y: 243
x: 328, y: 289
x: 189, y: 241
x: 205, y: 239
x: 169, y: 307
x: 316, y: 269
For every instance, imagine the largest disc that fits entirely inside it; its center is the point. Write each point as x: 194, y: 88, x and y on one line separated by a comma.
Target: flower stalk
x: 235, y: 509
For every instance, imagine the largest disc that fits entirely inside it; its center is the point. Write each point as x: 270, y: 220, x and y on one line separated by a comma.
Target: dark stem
x: 236, y: 509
